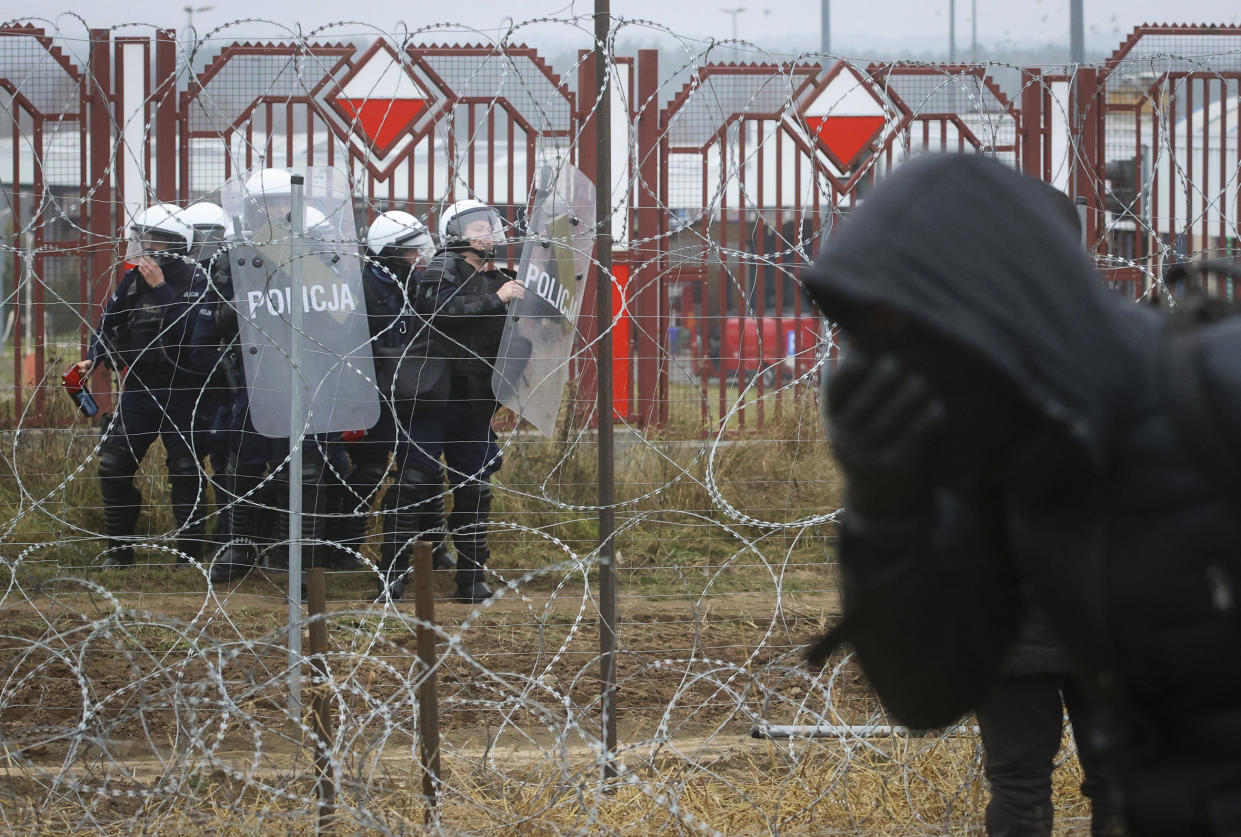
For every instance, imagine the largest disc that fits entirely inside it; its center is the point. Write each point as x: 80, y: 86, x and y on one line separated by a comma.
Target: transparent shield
x: 334, y: 366
x: 533, y: 363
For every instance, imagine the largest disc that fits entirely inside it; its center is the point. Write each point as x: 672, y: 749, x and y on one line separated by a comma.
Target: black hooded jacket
x: 1065, y: 476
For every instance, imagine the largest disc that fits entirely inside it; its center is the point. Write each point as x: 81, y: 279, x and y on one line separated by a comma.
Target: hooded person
x: 1003, y: 428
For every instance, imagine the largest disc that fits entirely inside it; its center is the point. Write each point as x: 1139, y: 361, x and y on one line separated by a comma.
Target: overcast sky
x: 773, y: 24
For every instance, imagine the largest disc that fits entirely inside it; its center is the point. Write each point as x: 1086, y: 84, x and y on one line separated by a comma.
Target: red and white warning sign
x: 846, y: 117
x: 382, y: 102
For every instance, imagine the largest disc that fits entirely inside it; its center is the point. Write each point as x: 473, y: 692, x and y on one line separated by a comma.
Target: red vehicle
x: 787, y: 347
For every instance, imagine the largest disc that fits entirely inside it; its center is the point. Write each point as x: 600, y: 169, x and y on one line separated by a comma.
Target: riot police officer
x: 211, y: 227
x: 257, y: 473
x: 211, y: 230
x: 398, y: 247
x: 158, y: 329
x: 460, y: 306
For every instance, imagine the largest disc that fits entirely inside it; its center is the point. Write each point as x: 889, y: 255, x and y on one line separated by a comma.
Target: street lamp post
x: 974, y: 31
x: 191, y: 35
x: 734, y: 12
x: 826, y: 32
x: 1077, y: 28
x: 952, y: 31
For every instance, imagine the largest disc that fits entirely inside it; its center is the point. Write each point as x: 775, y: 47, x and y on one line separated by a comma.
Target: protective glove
x: 883, y: 419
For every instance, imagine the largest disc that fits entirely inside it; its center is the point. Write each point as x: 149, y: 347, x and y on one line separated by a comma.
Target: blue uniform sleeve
x: 111, y: 321
x: 202, y: 331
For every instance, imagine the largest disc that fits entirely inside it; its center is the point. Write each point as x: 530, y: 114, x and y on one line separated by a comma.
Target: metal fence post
x: 428, y: 699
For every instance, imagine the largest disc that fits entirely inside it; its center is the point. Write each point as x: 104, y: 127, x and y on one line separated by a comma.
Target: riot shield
x: 533, y: 363
x: 335, y: 369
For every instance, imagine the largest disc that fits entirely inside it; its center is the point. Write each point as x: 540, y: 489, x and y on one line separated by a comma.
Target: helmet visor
x: 416, y: 249
x: 207, y: 241
x: 275, y: 211
x: 482, y: 225
x: 147, y: 241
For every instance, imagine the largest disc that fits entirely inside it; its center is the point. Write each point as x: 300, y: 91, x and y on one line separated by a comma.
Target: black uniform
x: 1058, y: 467
x: 458, y: 325
x: 257, y: 478
x: 390, y: 319
x: 165, y: 341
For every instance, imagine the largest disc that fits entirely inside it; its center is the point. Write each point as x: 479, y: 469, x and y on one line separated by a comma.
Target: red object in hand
x: 353, y: 435
x: 75, y: 384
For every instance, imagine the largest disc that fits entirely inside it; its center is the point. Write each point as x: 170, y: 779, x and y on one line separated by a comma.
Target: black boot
x: 351, y: 515
x: 118, y: 555
x: 441, y: 557
x: 241, y: 551
x: 471, y: 507
x: 393, y: 572
x: 314, y: 515
x: 414, y: 498
x: 437, y: 534
x: 188, y: 488
x: 121, y: 504
x: 276, y: 553
x: 237, y: 559
x: 472, y: 593
x: 392, y: 584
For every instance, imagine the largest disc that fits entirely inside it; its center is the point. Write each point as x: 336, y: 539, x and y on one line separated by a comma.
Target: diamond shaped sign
x: 382, y: 120
x: 381, y: 101
x: 845, y: 117
x: 845, y: 136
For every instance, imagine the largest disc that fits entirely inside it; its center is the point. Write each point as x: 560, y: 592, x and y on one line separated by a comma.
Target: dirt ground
x: 150, y: 697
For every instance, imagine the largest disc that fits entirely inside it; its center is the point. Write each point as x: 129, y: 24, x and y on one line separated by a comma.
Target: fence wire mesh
x: 151, y: 697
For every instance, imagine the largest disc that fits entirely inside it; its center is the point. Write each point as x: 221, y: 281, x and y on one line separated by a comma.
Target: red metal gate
x: 724, y: 187
x: 763, y: 161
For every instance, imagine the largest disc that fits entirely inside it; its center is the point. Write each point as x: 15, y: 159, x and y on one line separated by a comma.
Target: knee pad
x: 115, y: 463
x: 183, y: 466
x: 315, y: 471
x: 368, y: 474
x: 473, y: 495
x: 413, y: 476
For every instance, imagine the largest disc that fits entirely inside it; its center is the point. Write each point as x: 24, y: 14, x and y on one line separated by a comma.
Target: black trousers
x: 1021, y: 721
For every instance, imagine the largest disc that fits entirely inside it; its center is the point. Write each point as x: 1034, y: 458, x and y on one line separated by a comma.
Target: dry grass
x: 913, y: 789
x: 708, y: 534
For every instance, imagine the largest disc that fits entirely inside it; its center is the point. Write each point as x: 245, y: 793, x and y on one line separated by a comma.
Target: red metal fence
x: 725, y: 183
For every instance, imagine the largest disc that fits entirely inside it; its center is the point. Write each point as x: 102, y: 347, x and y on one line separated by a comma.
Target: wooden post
x: 428, y: 701
x: 320, y: 701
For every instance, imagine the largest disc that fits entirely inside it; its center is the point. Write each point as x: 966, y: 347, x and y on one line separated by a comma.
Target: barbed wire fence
x: 150, y: 698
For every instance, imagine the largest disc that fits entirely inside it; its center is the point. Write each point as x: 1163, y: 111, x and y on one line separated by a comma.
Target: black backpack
x: 1198, y: 402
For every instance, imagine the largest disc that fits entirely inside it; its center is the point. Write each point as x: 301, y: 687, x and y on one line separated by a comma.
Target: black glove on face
x: 883, y: 419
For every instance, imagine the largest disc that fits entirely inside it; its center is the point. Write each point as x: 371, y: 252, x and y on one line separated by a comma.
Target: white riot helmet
x: 467, y: 222
x: 316, y: 225
x: 268, y: 197
x: 157, y: 231
x: 211, y: 226
x: 394, y: 233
